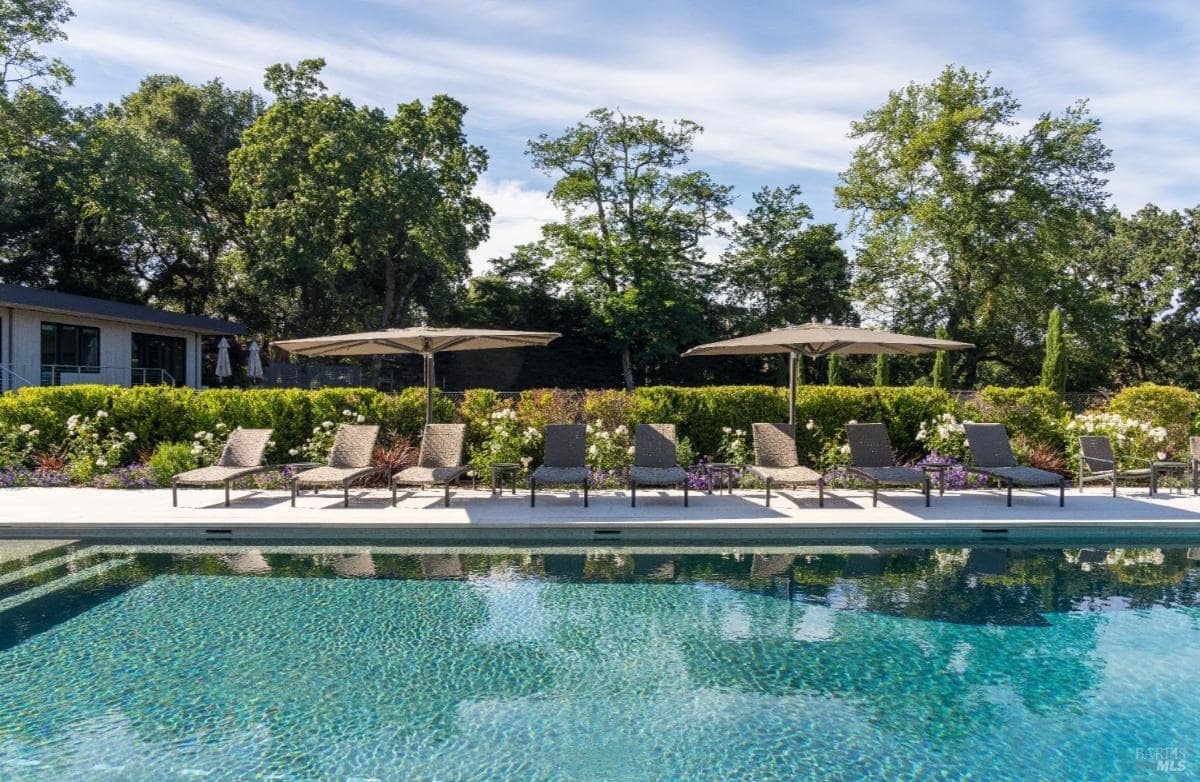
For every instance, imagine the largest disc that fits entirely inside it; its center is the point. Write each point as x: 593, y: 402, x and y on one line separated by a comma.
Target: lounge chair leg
x: 1114, y: 483
x: 345, y: 495
x: 768, y: 492
x: 447, y: 494
x: 226, y: 494
x: 633, y: 494
x: 585, y: 494
x: 1062, y: 491
x: 1009, y: 486
x: 294, y: 492
x: 685, y: 494
x: 820, y: 492
x: 875, y: 494
x: 392, y: 486
x: 928, y: 491
x: 174, y: 494
x: 532, y: 492
x: 1195, y: 476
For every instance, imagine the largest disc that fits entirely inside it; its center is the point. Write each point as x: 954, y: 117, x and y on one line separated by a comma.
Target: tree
x: 630, y: 240
x: 1054, y: 364
x: 883, y: 370
x: 782, y: 270
x: 357, y: 219
x: 941, y: 363
x: 961, y: 221
x: 835, y: 370
x: 186, y: 256
x: 24, y: 25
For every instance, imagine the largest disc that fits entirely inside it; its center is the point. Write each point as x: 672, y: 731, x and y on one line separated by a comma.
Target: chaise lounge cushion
x: 792, y: 475
x: 658, y: 476
x: 428, y: 474
x: 241, y: 456
x: 547, y: 474
x: 320, y: 476
x: 441, y: 457
x: 1024, y: 476
x: 894, y: 476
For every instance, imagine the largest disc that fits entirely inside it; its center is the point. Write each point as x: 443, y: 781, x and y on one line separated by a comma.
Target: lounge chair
x: 992, y: 457
x: 871, y: 458
x: 565, y: 460
x: 241, y: 458
x: 440, y: 461
x: 654, y: 460
x: 349, y: 461
x: 1194, y: 460
x: 1097, y: 462
x: 776, y: 462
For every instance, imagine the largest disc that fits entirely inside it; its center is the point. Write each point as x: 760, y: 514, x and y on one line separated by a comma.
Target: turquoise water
x: 988, y: 664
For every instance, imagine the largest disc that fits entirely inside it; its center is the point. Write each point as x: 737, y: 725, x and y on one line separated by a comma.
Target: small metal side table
x: 725, y: 469
x: 1166, y: 468
x: 940, y: 469
x: 502, y: 470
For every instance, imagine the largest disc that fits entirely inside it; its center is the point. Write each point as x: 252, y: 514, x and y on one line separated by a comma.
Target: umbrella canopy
x: 423, y: 340
x: 223, y: 369
x: 254, y: 367
x: 818, y: 339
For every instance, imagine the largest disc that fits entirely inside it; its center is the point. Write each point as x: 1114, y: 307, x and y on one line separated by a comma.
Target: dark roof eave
x: 53, y: 301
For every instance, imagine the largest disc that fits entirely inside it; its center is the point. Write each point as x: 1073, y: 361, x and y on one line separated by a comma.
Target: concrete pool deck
x: 480, y: 517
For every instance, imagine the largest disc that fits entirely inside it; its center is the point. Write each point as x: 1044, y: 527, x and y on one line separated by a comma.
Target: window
x: 158, y: 359
x: 68, y: 348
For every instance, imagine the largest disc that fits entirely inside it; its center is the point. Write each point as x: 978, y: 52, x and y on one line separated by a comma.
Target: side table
x: 725, y: 469
x: 503, y: 470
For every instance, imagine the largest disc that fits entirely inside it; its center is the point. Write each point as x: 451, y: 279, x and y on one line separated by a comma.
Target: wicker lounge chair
x: 992, y: 456
x: 1194, y: 460
x: 1097, y: 462
x: 654, y: 461
x: 872, y: 459
x: 241, y: 457
x: 440, y: 461
x: 776, y: 463
x: 349, y: 461
x: 565, y: 462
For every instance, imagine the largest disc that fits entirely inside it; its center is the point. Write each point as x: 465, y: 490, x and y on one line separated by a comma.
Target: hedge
x: 1034, y: 416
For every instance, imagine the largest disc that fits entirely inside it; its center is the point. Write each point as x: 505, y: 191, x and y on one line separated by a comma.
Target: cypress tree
x: 835, y: 370
x: 941, y: 363
x: 1054, y: 365
x: 883, y: 370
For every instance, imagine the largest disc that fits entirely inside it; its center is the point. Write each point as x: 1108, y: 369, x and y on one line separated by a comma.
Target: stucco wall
x: 116, y: 345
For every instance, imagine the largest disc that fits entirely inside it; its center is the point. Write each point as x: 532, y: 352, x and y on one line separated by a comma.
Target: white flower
x: 630, y: 450
x: 101, y: 414
x: 1162, y: 455
x: 852, y: 421
x: 26, y: 428
x: 33, y: 432
x: 726, y: 430
x: 316, y: 430
x: 222, y: 426
x: 198, y: 436
x: 525, y: 460
x: 130, y: 436
x: 208, y: 437
x: 845, y: 449
x: 621, y: 430
x: 327, y: 424
x: 592, y: 450
x: 197, y: 450
x: 740, y: 432
x: 810, y: 425
x: 360, y: 419
x: 347, y: 413
x: 292, y: 452
x: 101, y: 462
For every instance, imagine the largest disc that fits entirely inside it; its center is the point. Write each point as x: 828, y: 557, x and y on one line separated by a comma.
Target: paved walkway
x: 474, y: 515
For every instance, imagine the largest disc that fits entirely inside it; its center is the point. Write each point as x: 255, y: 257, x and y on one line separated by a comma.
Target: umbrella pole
x: 428, y: 388
x: 792, y: 356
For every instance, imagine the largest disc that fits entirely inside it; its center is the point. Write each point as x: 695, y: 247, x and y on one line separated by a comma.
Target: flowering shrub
x: 18, y: 445
x: 23, y: 476
x: 133, y: 476
x: 318, y: 445
x: 735, y: 448
x: 93, y: 446
x: 506, y: 440
x: 609, y: 451
x: 944, y: 436
x: 1134, y: 442
x: 956, y: 476
x: 207, y: 445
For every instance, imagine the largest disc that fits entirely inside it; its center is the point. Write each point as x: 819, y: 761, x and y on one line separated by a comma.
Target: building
x: 51, y: 338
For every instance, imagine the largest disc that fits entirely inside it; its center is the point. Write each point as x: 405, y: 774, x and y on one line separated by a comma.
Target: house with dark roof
x: 51, y: 338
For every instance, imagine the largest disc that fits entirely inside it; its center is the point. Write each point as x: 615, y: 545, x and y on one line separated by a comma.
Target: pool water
x: 986, y: 663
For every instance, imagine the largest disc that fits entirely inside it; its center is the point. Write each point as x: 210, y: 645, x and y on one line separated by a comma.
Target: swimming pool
x: 376, y: 663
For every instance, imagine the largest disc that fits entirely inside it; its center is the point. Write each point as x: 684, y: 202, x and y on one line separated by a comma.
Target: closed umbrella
x: 224, y: 369
x: 818, y: 339
x: 423, y: 340
x: 254, y: 367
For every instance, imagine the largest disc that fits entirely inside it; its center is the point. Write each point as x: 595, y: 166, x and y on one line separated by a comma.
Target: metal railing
x: 74, y: 374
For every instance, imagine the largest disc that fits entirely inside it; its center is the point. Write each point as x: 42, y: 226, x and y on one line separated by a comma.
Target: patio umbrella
x: 818, y: 339
x: 224, y: 369
x: 254, y: 367
x: 423, y: 340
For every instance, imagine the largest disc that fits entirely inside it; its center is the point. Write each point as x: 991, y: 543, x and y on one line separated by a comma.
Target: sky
x: 774, y: 84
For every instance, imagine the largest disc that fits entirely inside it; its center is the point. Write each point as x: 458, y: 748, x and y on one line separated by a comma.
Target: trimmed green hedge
x: 1034, y: 416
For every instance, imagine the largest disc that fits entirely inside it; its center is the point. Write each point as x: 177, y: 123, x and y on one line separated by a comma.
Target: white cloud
x: 521, y: 211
